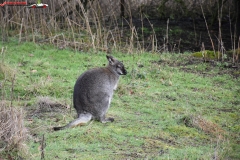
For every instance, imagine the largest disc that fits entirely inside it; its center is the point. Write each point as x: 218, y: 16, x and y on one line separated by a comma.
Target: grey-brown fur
x: 93, y: 92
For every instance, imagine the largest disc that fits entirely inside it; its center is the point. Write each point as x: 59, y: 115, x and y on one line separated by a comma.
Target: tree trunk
x: 237, y: 11
x: 122, y: 3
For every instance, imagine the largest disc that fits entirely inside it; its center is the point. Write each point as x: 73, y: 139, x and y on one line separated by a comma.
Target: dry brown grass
x: 47, y: 104
x: 97, y: 27
x: 13, y: 133
x: 206, y: 126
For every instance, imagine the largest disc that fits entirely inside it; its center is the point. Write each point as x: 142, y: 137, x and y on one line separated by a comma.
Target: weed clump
x: 206, y: 126
x: 13, y: 133
x: 46, y: 104
x: 210, y: 55
x: 207, y: 54
x: 235, y: 52
x: 6, y: 72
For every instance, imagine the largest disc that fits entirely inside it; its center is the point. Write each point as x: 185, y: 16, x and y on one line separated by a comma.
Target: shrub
x: 207, y: 54
x: 13, y: 134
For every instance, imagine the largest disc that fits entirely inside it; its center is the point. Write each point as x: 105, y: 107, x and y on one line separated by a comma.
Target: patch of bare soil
x: 47, y: 109
x: 46, y: 106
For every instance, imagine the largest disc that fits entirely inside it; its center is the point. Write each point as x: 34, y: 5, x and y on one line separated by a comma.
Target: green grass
x: 149, y: 106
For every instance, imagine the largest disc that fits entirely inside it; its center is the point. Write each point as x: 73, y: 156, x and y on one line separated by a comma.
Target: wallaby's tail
x: 81, y: 120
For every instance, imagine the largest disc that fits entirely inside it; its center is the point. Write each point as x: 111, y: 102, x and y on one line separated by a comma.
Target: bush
x: 207, y: 54
x: 13, y: 134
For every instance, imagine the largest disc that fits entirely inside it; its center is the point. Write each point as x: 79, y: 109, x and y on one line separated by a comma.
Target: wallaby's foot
x: 110, y: 119
x: 57, y: 128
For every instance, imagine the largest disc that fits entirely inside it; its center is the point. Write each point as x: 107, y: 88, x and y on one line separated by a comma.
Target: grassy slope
x: 150, y: 107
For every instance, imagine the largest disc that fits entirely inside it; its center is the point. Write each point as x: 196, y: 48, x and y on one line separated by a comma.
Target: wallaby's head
x: 116, y: 66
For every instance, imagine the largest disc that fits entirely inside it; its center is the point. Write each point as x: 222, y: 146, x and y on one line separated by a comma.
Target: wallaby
x: 93, y: 92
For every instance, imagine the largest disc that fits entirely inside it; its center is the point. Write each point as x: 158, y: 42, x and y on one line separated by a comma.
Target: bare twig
x: 42, y: 147
x: 220, y: 42
x: 2, y: 53
x: 88, y: 25
x: 20, y: 32
x: 203, y: 52
x: 232, y: 36
x: 238, y: 50
x: 154, y: 37
x: 208, y: 31
x: 179, y: 43
x: 142, y: 30
x: 2, y: 84
x: 12, y: 88
x: 72, y: 34
x: 166, y: 38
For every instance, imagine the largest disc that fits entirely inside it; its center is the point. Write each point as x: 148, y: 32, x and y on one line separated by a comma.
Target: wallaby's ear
x: 110, y: 59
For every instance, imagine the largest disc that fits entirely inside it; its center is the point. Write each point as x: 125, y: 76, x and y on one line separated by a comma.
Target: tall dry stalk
x: 12, y: 88
x: 20, y: 32
x: 153, y: 37
x: 73, y: 34
x: 208, y: 31
x: 2, y: 84
x: 231, y: 34
x: 220, y: 42
x: 165, y: 42
x: 143, y: 43
x: 238, y: 50
x: 203, y: 52
x: 88, y: 25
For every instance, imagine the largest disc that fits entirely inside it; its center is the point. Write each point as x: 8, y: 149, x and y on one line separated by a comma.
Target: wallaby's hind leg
x: 82, y: 119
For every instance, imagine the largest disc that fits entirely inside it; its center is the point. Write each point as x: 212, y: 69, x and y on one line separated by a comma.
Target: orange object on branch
x: 38, y: 5
x: 14, y: 4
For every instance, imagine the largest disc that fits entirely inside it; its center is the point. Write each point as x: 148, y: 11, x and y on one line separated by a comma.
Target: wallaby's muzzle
x: 121, y: 70
x: 124, y: 71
